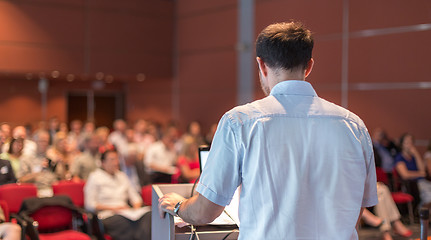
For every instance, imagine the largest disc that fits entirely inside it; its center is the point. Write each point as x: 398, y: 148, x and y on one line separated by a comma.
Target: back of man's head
x: 287, y: 46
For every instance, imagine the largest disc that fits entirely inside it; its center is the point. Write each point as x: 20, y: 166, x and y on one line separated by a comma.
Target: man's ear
x: 262, y: 67
x: 310, y: 65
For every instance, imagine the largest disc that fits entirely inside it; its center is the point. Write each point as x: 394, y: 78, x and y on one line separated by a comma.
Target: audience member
x: 194, y: 131
x: 210, y: 135
x: 410, y: 167
x: 75, y: 136
x: 118, y: 137
x: 134, y: 168
x: 142, y: 137
x: 154, y: 130
x: 427, y: 160
x: 60, y: 155
x: 8, y: 230
x: 103, y: 133
x: 6, y: 173
x: 89, y: 160
x: 161, y: 157
x: 63, y: 128
x: 29, y: 147
x: 14, y: 154
x: 5, y: 128
x: 2, y: 140
x: 387, y: 160
x: 108, y: 192
x: 53, y: 128
x: 39, y: 169
x: 188, y: 161
x: 88, y: 129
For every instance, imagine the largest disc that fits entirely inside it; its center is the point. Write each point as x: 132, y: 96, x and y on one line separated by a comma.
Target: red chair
x: 75, y: 190
x: 12, y: 196
x: 20, y: 221
x: 146, y: 193
x: 399, y: 197
x: 14, y: 193
x: 55, y: 218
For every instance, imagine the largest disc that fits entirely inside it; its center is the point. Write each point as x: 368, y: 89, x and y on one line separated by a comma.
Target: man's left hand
x: 167, y: 203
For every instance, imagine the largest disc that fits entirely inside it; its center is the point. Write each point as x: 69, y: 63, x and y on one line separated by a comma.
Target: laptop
x: 230, y: 214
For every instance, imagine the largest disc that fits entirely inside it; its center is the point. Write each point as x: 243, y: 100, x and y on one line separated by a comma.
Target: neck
x: 279, y: 75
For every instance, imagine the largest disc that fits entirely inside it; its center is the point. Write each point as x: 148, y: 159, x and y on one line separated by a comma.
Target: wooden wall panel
x: 396, y: 111
x: 150, y: 100
x: 86, y: 36
x: 390, y: 58
x: 207, y: 35
x: 371, y: 14
x: 321, y: 17
x: 198, y: 7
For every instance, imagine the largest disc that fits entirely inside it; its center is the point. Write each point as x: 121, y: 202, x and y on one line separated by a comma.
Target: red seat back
x: 147, y: 191
x: 14, y: 193
x: 381, y: 176
x: 53, y: 218
x: 75, y: 190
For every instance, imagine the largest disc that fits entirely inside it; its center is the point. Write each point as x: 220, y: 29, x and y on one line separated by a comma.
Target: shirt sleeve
x: 222, y: 172
x: 370, y: 191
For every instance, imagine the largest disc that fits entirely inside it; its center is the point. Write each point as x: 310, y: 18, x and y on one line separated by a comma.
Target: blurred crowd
x: 148, y: 152
x: 400, y: 168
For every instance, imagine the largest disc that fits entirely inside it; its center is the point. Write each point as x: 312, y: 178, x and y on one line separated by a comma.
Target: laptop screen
x: 232, y: 209
x: 203, y: 156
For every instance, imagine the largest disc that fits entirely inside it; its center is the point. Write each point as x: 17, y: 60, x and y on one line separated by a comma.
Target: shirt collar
x: 294, y: 87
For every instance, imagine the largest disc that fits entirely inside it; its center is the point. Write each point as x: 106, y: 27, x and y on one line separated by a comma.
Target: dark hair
x: 105, y: 153
x: 12, y: 142
x: 285, y: 45
x: 402, y: 138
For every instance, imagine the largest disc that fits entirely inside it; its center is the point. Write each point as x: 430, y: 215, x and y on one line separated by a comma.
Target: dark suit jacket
x: 6, y: 172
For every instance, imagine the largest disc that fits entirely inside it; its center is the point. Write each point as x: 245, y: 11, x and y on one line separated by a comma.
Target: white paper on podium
x: 134, y: 213
x: 228, y: 217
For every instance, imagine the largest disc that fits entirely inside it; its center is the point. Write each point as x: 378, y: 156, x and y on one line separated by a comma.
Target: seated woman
x: 387, y: 213
x: 188, y: 161
x: 410, y: 167
x: 14, y: 154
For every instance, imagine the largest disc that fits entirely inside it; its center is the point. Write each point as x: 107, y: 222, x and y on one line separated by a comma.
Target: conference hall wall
x: 371, y: 56
x: 379, y: 70
x: 82, y: 46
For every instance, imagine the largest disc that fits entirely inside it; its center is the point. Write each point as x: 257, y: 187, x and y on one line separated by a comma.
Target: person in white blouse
x: 108, y: 192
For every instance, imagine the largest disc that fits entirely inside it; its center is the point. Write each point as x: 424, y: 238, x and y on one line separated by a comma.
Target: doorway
x: 100, y: 107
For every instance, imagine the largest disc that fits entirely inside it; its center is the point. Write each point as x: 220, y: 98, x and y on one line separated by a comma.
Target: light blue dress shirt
x: 306, y: 166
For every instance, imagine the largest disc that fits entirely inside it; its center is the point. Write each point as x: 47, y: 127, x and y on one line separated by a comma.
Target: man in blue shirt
x: 305, y: 165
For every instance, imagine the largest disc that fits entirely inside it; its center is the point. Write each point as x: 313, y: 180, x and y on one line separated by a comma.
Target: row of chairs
x: 59, y: 217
